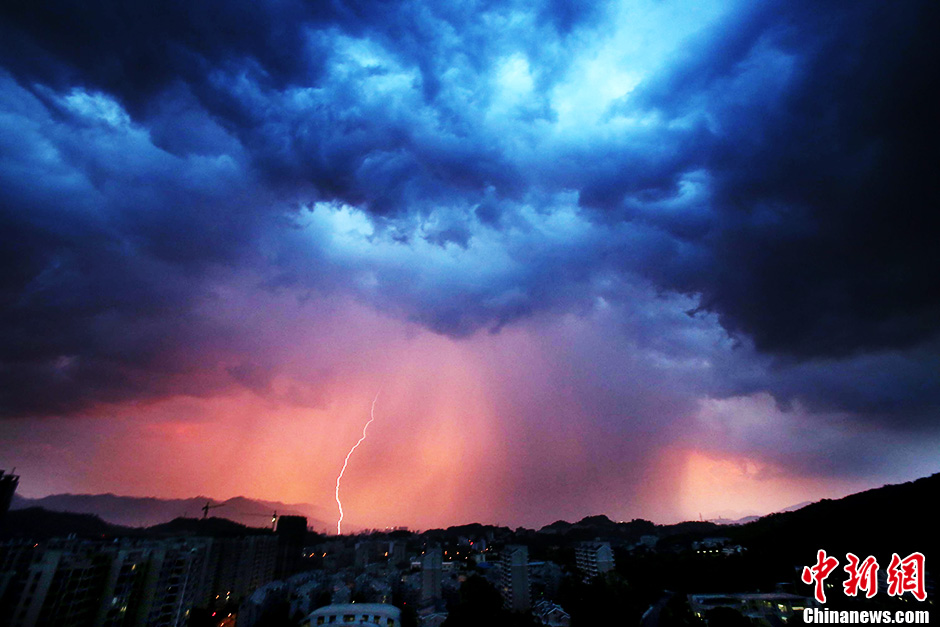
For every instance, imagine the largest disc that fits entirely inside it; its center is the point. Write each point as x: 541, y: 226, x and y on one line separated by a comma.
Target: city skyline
x: 661, y: 260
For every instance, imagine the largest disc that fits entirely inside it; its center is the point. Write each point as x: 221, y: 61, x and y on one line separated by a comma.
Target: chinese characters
x: 903, y: 575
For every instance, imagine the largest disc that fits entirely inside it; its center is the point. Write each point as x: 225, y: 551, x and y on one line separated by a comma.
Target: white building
x: 594, y: 558
x: 551, y: 614
x: 352, y: 614
x: 514, y: 578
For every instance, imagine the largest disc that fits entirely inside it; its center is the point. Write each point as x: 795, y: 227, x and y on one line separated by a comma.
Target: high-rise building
x: 239, y: 565
x: 8, y: 483
x: 362, y: 555
x: 62, y: 585
x: 124, y: 586
x: 431, y: 574
x: 594, y: 558
x: 174, y: 583
x: 397, y: 552
x: 126, y: 583
x: 514, y: 577
x: 291, y: 534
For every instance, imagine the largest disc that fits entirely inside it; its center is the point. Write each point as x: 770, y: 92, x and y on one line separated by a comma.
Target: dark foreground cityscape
x: 76, y: 570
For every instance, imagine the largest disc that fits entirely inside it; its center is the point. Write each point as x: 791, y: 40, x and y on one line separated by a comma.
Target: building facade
x: 355, y: 614
x: 8, y: 484
x: 80, y: 583
x: 431, y: 574
x: 594, y: 558
x: 514, y: 578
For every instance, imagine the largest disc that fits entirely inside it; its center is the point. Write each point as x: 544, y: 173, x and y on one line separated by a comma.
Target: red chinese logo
x: 862, y: 576
x: 907, y: 575
x: 818, y: 573
x: 904, y: 575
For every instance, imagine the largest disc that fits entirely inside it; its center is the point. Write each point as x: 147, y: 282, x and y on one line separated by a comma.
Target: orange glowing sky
x: 491, y: 428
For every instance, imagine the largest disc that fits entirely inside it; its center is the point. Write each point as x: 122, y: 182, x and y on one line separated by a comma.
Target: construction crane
x: 234, y: 515
x: 273, y: 517
x: 205, y: 513
x: 205, y: 508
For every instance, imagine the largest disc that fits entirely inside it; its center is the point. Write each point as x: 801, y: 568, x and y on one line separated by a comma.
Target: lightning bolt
x: 339, y: 523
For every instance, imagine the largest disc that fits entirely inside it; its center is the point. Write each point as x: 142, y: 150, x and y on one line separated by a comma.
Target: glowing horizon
x: 647, y: 258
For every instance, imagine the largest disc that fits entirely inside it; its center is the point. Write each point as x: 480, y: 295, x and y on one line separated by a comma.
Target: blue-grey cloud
x: 467, y: 166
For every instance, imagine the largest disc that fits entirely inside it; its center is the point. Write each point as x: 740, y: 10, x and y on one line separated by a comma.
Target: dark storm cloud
x: 821, y: 148
x: 776, y: 166
x: 238, y: 60
x: 98, y: 295
x: 134, y: 50
x: 898, y: 387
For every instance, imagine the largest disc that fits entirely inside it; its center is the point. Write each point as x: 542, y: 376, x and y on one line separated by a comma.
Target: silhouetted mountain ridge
x: 133, y: 511
x: 898, y: 516
x: 215, y: 527
x: 891, y: 519
x: 37, y: 523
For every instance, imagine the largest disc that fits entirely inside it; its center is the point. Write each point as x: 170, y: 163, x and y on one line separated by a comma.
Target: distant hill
x: 747, y: 519
x: 214, y: 527
x: 37, y: 523
x: 736, y: 521
x: 601, y: 526
x: 132, y: 511
x: 793, y: 508
x: 893, y: 518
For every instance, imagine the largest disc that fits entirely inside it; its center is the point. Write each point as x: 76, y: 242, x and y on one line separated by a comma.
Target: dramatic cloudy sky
x: 642, y: 258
